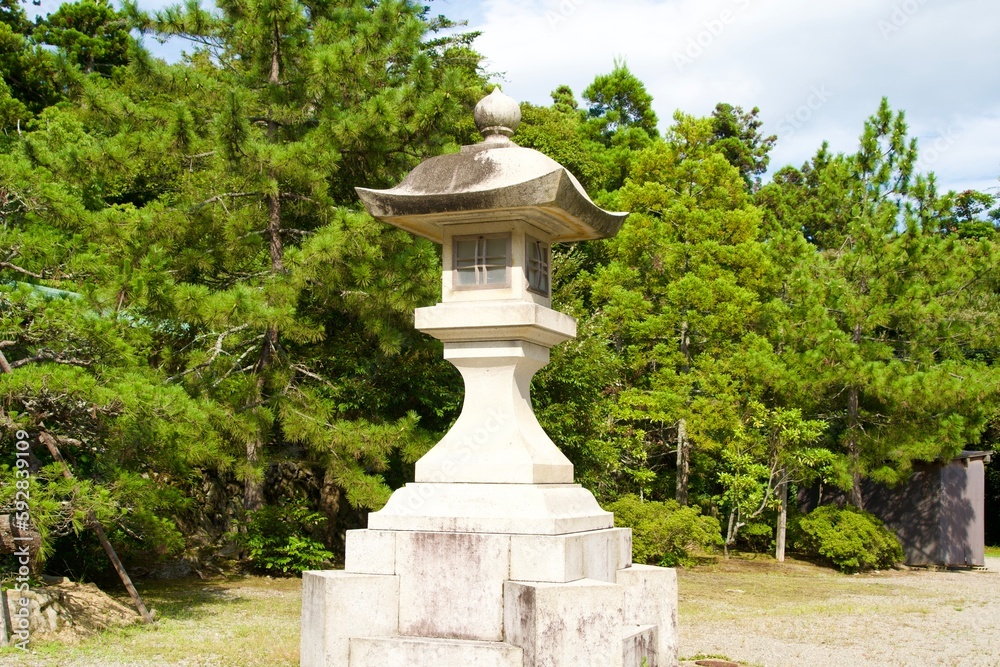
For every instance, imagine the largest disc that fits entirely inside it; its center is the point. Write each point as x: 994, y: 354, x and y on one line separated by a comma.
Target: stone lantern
x: 492, y: 556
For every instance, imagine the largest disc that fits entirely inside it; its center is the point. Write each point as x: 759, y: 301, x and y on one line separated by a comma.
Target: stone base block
x: 596, y: 554
x: 438, y: 598
x: 533, y: 509
x: 651, y: 599
x: 451, y: 584
x: 640, y: 644
x: 370, y: 551
x: 578, y: 623
x: 418, y: 652
x: 338, y: 605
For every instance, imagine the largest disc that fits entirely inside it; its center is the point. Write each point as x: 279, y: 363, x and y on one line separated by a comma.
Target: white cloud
x: 935, y: 60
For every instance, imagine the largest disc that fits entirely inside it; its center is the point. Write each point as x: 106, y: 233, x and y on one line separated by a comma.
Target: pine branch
x: 48, y: 355
x: 216, y: 351
x: 305, y: 371
x: 14, y: 267
x: 225, y: 195
x: 236, y: 365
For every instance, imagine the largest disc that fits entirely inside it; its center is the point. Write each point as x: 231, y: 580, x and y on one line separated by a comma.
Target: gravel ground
x: 796, y: 614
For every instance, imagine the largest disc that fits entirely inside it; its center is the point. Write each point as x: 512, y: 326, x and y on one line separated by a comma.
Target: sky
x: 816, y: 70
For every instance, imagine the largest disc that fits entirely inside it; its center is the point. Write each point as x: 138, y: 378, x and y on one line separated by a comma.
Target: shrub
x: 277, y: 539
x: 849, y: 539
x: 664, y: 533
x: 756, y: 537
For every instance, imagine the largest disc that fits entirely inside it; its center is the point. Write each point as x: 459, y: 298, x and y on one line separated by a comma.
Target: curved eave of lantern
x: 486, y: 183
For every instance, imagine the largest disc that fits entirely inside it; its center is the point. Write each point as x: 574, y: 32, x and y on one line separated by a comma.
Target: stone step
x: 639, y: 643
x: 419, y: 651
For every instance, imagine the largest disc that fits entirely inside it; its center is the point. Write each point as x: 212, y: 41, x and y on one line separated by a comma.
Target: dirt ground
x: 762, y: 613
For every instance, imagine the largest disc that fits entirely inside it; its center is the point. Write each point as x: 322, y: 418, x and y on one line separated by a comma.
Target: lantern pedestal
x: 415, y: 598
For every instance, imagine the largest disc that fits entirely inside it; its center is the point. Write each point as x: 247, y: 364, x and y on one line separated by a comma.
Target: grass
x: 993, y: 552
x: 760, y: 586
x: 796, y: 603
x: 244, y: 622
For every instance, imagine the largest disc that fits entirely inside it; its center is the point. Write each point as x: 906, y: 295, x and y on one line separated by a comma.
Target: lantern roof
x: 491, y: 181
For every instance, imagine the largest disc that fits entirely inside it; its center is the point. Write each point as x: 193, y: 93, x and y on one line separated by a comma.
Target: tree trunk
x: 779, y: 538
x: 14, y: 536
x: 253, y: 488
x: 683, y: 462
x: 683, y: 447
x: 50, y: 442
x: 730, y: 537
x: 853, y: 428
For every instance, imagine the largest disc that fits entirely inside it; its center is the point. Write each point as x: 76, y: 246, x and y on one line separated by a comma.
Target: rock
x: 67, y: 611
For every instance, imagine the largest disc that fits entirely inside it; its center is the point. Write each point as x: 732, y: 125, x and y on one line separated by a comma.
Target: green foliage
x: 886, y: 324
x: 664, y: 533
x: 737, y: 135
x: 91, y: 33
x: 184, y: 288
x: 770, y: 447
x: 187, y: 288
x: 849, y: 539
x: 756, y: 537
x: 277, y: 539
x: 619, y: 101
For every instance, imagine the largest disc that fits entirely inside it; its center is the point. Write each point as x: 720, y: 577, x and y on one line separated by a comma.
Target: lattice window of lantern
x: 537, y: 254
x: 482, y: 261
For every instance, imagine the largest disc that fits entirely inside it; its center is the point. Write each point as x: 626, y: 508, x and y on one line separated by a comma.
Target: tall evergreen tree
x: 306, y: 103
x: 679, y: 301
x: 737, y: 134
x: 891, y: 315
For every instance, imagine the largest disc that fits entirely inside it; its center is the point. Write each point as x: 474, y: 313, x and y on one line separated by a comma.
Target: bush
x: 849, y: 539
x: 756, y: 537
x: 664, y: 533
x: 277, y: 539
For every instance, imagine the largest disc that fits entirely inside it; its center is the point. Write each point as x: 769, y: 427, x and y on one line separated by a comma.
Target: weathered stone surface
x: 472, y: 321
x: 496, y: 439
x: 451, y: 584
x: 497, y: 114
x: 534, y: 509
x: 639, y: 644
x: 596, y: 555
x: 417, y: 652
x: 370, y: 552
x: 578, y: 624
x: 494, y: 499
x: 651, y: 599
x: 493, y: 180
x: 339, y: 605
x: 486, y: 183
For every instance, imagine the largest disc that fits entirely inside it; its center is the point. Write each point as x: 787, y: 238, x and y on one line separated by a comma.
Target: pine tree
x: 886, y: 316
x: 679, y: 301
x: 306, y: 103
